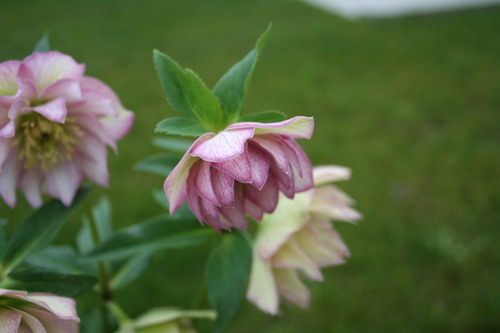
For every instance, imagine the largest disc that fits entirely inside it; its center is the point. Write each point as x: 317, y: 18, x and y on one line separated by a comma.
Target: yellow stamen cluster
x: 45, y: 142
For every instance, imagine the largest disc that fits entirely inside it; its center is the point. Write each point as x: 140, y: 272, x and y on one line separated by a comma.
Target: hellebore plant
x: 55, y: 124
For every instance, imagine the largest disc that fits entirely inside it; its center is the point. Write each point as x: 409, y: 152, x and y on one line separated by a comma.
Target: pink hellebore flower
x: 37, y: 313
x: 55, y: 124
x: 240, y: 171
x: 298, y: 239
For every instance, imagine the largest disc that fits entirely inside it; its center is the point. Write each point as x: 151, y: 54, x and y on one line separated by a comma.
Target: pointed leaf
x: 226, y: 277
x: 61, y: 259
x: 160, y: 232
x: 36, y: 280
x: 232, y: 87
x: 180, y: 126
x: 264, y: 117
x: 187, y: 93
x: 39, y: 229
x: 130, y: 270
x: 43, y: 44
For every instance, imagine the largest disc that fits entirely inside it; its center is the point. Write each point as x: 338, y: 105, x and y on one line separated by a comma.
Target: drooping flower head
x: 55, y: 124
x: 241, y: 171
x: 298, y: 239
x: 37, y: 313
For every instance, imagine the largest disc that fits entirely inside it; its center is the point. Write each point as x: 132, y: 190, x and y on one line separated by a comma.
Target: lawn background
x: 412, y: 105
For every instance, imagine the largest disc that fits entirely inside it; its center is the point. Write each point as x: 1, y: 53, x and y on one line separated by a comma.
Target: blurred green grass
x: 410, y: 104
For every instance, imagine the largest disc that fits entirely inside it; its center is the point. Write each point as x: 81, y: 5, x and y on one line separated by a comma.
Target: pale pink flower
x: 37, y: 313
x: 240, y: 171
x: 55, y: 124
x: 297, y: 240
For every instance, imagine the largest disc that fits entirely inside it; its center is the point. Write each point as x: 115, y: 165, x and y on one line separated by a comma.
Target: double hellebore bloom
x: 298, y: 239
x: 55, y: 124
x: 240, y: 171
x: 37, y: 313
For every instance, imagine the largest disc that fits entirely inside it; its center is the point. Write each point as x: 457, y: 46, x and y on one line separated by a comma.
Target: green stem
x: 104, y: 290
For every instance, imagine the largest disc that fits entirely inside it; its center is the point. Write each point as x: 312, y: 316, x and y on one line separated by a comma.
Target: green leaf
x: 102, y: 215
x: 130, y: 270
x: 232, y: 87
x: 39, y: 229
x: 160, y: 164
x: 61, y: 259
x: 160, y: 232
x: 227, y: 274
x: 3, y: 239
x: 172, y: 144
x: 180, y: 126
x: 36, y: 280
x: 187, y: 93
x: 43, y: 44
x: 264, y: 117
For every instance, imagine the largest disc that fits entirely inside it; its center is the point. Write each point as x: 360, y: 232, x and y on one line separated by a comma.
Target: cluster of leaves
x: 208, y: 110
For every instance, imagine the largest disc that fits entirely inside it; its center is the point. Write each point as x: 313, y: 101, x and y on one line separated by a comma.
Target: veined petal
x: 291, y: 289
x: 224, y: 146
x: 62, y: 181
x: 259, y: 162
x: 50, y: 67
x: 267, y: 198
x: 253, y: 210
x: 8, y: 180
x: 54, y: 110
x: 238, y: 168
x: 296, y: 127
x: 117, y: 127
x: 340, y: 211
x: 330, y: 173
x: 223, y: 186
x: 262, y: 290
x: 285, y: 181
x: 203, y: 181
x: 30, y: 324
x: 62, y: 307
x: 54, y: 324
x: 93, y: 84
x: 8, y: 78
x: 67, y: 88
x: 10, y: 320
x: 96, y: 103
x: 93, y: 158
x: 301, y: 166
x: 310, y: 241
x: 274, y: 148
x: 30, y: 183
x: 290, y: 255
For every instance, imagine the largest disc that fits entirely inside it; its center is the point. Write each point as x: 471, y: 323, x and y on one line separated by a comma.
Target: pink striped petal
x: 8, y: 180
x: 175, y: 184
x: 203, y: 182
x: 63, y: 180
x: 262, y: 289
x: 330, y: 173
x: 223, y: 186
x: 273, y: 146
x: 54, y: 110
x: 193, y: 199
x: 302, y: 170
x: 210, y: 215
x: 95, y: 103
x: 223, y: 146
x: 93, y: 84
x: 253, y: 210
x: 67, y: 88
x: 8, y: 78
x: 93, y: 159
x: 9, y: 320
x: 54, y: 324
x: 285, y: 181
x: 62, y: 307
x: 49, y: 67
x: 296, y: 127
x: 260, y: 166
x: 236, y: 215
x: 238, y: 168
x: 291, y: 288
x: 117, y: 127
x: 267, y: 198
x: 7, y: 129
x: 30, y: 183
x: 30, y: 324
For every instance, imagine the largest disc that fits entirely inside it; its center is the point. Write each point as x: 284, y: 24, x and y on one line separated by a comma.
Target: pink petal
x: 203, y: 181
x: 238, y: 168
x: 5, y: 147
x: 260, y: 166
x: 30, y: 185
x: 302, y: 169
x: 236, y: 216
x: 62, y: 181
x: 285, y: 181
x: 330, y: 173
x: 296, y: 127
x: 291, y: 289
x: 62, y: 307
x: 273, y: 146
x: 95, y: 103
x: 49, y: 67
x: 67, y: 88
x: 175, y: 184
x: 267, y: 198
x: 92, y: 155
x: 223, y: 146
x: 93, y: 84
x: 223, y: 186
x: 54, y: 324
x: 262, y: 289
x: 30, y: 324
x: 9, y: 320
x: 54, y: 110
x: 7, y: 129
x: 8, y: 78
x: 253, y: 210
x: 210, y: 215
x: 8, y: 180
x: 117, y: 127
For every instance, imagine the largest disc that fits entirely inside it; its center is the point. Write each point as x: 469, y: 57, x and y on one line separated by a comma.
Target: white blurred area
x: 390, y: 8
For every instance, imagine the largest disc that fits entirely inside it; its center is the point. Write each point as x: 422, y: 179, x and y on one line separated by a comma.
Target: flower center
x: 46, y: 142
